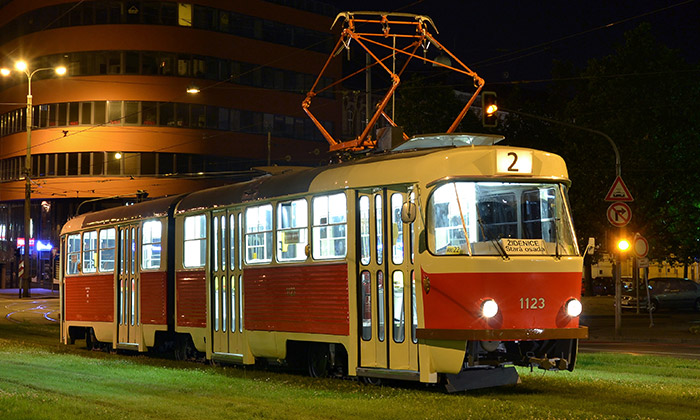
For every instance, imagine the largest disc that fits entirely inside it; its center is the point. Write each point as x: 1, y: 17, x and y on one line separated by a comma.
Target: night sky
x: 513, y: 41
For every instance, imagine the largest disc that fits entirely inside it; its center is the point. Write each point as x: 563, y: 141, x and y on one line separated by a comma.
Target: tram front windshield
x: 500, y: 218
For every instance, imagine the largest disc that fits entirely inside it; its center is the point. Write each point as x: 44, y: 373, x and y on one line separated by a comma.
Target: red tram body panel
x: 191, y: 298
x: 89, y: 298
x: 305, y: 299
x: 527, y: 295
x: 154, y: 297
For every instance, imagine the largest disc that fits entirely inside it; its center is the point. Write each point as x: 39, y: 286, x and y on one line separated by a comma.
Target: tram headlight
x: 489, y: 308
x: 573, y: 308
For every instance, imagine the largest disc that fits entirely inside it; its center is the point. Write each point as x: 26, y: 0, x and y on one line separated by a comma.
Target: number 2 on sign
x: 514, y: 162
x: 531, y: 303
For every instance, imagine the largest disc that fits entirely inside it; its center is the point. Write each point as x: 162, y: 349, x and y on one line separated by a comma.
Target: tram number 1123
x: 531, y: 303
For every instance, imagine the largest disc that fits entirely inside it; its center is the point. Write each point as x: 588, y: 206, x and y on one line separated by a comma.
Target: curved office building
x: 120, y: 123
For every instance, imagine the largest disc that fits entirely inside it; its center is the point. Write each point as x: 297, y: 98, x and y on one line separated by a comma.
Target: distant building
x: 120, y: 122
x: 604, y: 268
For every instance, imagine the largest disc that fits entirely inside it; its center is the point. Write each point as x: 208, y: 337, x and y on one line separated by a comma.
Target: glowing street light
x: 193, y: 89
x: 23, y: 67
x: 623, y: 245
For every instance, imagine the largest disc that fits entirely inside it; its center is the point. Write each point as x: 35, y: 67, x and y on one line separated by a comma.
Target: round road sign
x: 619, y: 214
x: 641, y: 246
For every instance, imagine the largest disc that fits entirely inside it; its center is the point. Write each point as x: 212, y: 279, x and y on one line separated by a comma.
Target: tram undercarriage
x: 492, y: 363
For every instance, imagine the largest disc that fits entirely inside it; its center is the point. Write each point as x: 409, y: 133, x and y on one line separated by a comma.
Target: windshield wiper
x: 497, y: 243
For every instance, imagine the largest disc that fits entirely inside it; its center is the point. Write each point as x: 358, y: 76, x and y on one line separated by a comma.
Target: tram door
x: 385, y: 278
x: 128, y: 286
x: 226, y: 279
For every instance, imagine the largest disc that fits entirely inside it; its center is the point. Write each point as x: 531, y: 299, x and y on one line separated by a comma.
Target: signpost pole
x: 618, y: 294
x: 646, y: 286
x: 635, y: 280
x: 641, y: 249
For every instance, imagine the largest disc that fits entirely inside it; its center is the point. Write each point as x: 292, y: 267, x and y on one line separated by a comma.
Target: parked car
x: 603, y: 286
x: 665, y: 293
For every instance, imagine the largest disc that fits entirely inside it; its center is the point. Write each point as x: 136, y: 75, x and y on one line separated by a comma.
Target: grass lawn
x: 41, y: 379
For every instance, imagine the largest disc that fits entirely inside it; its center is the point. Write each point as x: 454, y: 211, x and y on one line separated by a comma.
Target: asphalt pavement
x: 678, y: 326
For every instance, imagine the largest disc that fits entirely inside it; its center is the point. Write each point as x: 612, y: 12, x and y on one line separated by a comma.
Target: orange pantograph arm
x: 366, y: 40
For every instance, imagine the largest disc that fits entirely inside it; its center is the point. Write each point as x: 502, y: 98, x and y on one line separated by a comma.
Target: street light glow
x: 21, y: 65
x: 4, y: 71
x: 60, y: 70
x: 623, y: 245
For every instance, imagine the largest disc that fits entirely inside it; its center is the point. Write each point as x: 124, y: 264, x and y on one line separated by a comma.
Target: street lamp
x: 21, y: 66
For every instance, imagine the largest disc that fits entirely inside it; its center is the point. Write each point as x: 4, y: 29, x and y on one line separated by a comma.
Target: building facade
x: 120, y: 123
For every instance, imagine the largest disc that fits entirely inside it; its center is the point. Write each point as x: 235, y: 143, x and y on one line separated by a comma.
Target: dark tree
x: 644, y: 97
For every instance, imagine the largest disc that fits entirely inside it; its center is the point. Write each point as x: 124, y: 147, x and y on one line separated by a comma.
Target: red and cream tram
x: 446, y: 258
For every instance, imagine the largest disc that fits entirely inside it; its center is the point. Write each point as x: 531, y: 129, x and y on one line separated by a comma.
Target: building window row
x: 120, y: 164
x: 165, y: 13
x: 154, y: 63
x: 164, y: 114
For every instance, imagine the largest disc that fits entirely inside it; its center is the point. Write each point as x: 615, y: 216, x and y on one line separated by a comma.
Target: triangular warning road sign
x: 619, y: 191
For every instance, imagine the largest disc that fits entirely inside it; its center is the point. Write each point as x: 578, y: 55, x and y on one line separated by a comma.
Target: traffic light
x: 488, y: 109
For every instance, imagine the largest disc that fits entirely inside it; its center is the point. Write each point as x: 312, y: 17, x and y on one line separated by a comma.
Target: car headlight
x: 489, y: 308
x: 573, y: 308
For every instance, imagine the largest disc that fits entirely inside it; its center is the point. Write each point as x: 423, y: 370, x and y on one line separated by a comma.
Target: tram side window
x: 151, y: 245
x: 396, y: 229
x: 365, y: 247
x: 73, y: 266
x: 195, y: 241
x: 258, y: 237
x: 366, y: 298
x: 90, y: 251
x: 292, y: 230
x: 399, y: 312
x: 329, y: 226
x: 232, y: 243
x: 107, y: 245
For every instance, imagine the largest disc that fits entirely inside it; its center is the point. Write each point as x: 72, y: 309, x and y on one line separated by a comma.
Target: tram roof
x: 390, y: 168
x: 269, y: 186
x: 144, y: 210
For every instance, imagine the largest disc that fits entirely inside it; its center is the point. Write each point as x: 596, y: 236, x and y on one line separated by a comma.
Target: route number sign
x: 514, y: 162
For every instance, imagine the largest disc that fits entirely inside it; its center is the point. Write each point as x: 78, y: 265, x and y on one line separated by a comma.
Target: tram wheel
x: 318, y: 360
x: 184, y: 348
x: 372, y: 381
x: 90, y: 339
